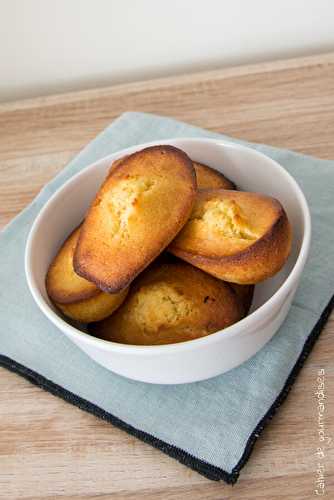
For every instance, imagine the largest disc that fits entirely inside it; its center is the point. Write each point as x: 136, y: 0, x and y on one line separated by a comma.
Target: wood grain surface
x: 51, y: 450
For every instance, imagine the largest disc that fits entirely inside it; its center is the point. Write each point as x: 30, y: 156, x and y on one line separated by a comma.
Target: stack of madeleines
x: 169, y: 251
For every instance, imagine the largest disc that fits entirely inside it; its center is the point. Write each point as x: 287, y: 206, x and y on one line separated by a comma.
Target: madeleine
x: 76, y: 297
x: 209, y: 178
x: 236, y: 236
x: 170, y: 303
x: 141, y: 206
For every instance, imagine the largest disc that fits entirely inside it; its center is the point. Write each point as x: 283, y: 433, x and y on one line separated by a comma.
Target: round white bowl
x: 196, y: 359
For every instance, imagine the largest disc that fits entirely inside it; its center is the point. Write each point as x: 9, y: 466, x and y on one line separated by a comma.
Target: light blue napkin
x: 210, y: 426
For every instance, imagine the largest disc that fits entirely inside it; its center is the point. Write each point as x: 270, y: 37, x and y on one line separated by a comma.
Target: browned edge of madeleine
x: 227, y: 183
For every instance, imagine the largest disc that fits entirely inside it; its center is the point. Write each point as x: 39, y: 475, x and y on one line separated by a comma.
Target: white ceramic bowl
x: 196, y: 359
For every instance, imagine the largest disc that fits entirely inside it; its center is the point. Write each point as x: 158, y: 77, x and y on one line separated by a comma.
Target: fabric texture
x: 210, y: 426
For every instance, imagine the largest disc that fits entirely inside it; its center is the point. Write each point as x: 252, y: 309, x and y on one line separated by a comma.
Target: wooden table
x: 49, y: 449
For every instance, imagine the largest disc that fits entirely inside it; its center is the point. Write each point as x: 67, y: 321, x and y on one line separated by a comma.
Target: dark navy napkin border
x: 209, y: 471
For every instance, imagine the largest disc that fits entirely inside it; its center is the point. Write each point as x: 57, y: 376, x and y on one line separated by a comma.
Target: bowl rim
x: 240, y: 328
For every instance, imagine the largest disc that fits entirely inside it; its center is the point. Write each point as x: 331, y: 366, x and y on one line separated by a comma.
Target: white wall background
x: 50, y: 46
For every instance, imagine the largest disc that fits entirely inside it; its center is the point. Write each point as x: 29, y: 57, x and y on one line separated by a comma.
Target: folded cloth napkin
x: 210, y: 426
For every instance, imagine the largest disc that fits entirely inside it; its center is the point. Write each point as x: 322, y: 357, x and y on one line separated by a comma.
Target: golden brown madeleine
x: 209, y: 178
x: 62, y: 283
x: 94, y: 309
x: 141, y: 206
x: 171, y: 303
x: 76, y: 297
x: 115, y: 163
x: 236, y: 236
x: 245, y: 293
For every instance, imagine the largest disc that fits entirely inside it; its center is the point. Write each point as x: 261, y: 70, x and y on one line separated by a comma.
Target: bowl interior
x: 248, y: 169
